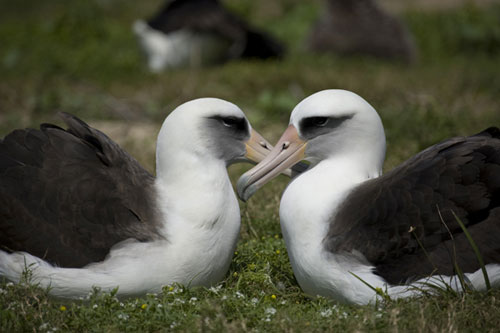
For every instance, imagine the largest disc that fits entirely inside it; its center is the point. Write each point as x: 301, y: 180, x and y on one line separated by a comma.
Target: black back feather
x: 69, y: 195
x: 211, y: 16
x: 391, y: 219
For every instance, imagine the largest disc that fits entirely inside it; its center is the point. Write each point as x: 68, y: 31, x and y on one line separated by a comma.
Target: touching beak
x: 289, y: 150
x: 257, y: 148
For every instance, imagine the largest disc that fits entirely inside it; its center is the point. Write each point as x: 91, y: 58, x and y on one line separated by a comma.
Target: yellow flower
x: 278, y: 251
x: 235, y: 274
x: 273, y: 296
x: 62, y: 308
x: 171, y: 288
x: 235, y: 252
x: 276, y: 236
x: 144, y: 306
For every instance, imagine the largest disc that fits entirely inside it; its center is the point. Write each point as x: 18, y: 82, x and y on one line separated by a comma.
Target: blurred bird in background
x: 361, y: 27
x: 194, y: 33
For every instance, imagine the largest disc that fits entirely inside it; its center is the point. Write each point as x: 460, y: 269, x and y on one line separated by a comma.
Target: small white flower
x: 224, y: 297
x: 239, y: 295
x: 378, y: 315
x: 43, y: 326
x: 159, y: 306
x: 215, y: 290
x: 192, y: 300
x: 180, y: 301
x: 2, y: 291
x: 94, y: 306
x: 173, y: 325
x: 10, y: 284
x: 326, y: 313
x: 254, y: 301
x: 123, y: 316
x: 122, y: 305
x: 270, y: 311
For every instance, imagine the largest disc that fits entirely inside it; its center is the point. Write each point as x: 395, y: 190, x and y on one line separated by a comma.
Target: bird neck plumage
x: 312, y: 198
x: 193, y: 189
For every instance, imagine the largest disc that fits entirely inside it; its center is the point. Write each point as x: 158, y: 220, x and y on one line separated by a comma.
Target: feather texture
x: 49, y: 203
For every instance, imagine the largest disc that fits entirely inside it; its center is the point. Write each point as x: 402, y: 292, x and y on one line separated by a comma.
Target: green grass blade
x: 379, y: 291
x: 476, y: 251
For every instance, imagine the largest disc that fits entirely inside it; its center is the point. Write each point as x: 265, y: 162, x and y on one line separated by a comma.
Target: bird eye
x: 319, y: 121
x: 229, y: 121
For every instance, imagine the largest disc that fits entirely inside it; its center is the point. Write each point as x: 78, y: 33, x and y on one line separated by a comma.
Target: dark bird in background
x: 190, y: 33
x: 361, y: 27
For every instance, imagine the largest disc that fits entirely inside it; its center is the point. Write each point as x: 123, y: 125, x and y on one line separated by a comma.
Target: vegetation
x: 81, y: 57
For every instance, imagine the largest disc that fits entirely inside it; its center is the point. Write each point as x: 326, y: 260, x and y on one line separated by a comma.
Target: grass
x: 81, y: 58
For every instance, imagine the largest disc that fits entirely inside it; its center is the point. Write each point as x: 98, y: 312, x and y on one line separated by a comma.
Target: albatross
x: 80, y: 212
x: 350, y: 230
x: 195, y: 33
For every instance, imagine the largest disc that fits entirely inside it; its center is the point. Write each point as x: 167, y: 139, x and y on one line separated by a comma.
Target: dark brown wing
x: 69, y: 195
x: 392, y: 218
x: 211, y: 16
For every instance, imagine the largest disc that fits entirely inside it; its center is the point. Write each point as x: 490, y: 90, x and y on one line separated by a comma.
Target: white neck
x: 201, y: 215
x: 306, y: 207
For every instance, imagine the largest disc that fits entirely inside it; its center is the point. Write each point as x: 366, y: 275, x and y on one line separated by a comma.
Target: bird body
x: 350, y: 230
x: 194, y: 33
x: 361, y: 28
x: 79, y: 212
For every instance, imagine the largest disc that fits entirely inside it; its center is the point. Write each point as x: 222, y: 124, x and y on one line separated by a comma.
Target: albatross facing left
x: 343, y: 221
x: 80, y: 212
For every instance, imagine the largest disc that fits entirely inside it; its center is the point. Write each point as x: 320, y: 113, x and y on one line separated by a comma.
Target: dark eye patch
x: 236, y: 123
x: 311, y: 127
x: 314, y: 122
x: 226, y: 136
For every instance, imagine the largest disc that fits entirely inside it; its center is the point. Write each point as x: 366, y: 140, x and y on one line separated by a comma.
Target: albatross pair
x: 80, y: 212
x: 349, y: 229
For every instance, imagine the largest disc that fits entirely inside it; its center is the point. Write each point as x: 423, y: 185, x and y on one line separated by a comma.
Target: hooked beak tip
x: 244, y: 191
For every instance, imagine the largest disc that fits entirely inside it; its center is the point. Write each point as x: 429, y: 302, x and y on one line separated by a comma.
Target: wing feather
x: 393, y: 218
x: 69, y: 195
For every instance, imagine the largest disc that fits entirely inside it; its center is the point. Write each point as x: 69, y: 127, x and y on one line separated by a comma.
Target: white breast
x: 306, y: 208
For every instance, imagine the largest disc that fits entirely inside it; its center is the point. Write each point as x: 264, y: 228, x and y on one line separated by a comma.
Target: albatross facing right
x: 343, y: 221
x: 80, y: 212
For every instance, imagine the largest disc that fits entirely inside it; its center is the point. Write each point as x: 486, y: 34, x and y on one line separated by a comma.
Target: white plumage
x: 337, y: 243
x: 198, y: 213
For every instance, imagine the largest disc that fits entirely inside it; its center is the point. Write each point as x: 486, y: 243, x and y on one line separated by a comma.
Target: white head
x: 207, y: 131
x: 328, y: 124
x: 334, y: 122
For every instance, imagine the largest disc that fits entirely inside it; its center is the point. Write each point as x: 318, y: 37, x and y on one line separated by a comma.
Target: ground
x: 82, y: 58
